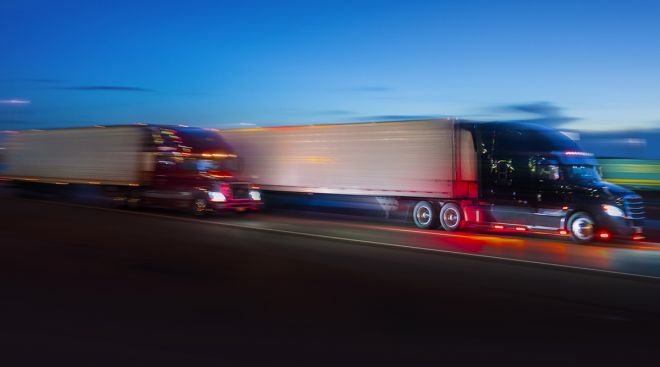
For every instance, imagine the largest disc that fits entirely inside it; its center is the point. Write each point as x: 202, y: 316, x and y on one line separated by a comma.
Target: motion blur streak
x: 14, y: 101
x: 492, y: 239
x: 613, y: 257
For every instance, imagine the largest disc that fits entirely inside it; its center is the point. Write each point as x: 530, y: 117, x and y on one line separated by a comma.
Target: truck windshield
x: 581, y: 173
x: 224, y: 164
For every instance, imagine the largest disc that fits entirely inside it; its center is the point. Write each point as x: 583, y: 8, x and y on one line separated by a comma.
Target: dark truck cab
x: 537, y: 179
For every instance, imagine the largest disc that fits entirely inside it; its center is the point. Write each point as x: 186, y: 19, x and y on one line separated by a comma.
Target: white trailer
x: 94, y: 155
x: 429, y: 158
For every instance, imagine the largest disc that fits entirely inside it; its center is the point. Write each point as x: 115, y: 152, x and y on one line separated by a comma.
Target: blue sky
x: 592, y: 64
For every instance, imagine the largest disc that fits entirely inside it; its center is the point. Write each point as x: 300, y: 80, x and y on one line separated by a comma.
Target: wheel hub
x: 424, y: 215
x: 200, y: 205
x: 582, y: 228
x: 451, y: 217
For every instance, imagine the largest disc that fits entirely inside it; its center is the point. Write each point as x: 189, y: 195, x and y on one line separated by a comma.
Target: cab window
x: 548, y: 172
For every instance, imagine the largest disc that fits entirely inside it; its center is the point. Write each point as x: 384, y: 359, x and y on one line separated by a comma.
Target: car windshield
x: 581, y: 173
x: 224, y: 164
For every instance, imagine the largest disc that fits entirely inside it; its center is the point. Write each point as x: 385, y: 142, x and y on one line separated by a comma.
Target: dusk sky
x: 594, y: 64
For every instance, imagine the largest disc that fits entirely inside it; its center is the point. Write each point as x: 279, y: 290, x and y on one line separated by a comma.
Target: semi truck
x: 446, y: 173
x: 135, y: 165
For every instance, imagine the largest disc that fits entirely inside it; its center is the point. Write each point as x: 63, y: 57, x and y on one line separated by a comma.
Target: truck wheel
x: 450, y: 217
x: 424, y: 215
x: 199, y: 206
x: 581, y: 227
x: 134, y: 201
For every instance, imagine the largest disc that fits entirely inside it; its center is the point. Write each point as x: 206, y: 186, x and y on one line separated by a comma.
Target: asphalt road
x: 86, y: 285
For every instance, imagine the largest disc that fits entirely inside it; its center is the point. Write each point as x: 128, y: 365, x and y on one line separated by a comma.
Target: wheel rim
x: 583, y: 228
x: 199, y: 206
x: 423, y: 215
x: 451, y: 217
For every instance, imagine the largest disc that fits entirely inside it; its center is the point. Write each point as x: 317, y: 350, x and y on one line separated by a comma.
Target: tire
x: 424, y: 215
x: 582, y: 227
x: 199, y: 206
x: 134, y: 201
x: 119, y: 201
x: 451, y: 217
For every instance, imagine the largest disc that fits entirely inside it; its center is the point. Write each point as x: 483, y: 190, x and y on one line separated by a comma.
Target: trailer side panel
x: 112, y: 155
x: 404, y: 158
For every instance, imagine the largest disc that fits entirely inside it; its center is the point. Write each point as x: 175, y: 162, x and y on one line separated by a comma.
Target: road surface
x: 98, y: 286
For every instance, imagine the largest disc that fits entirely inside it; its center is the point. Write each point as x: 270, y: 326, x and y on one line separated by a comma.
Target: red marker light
x: 521, y: 229
x: 564, y: 208
x: 563, y: 232
x: 498, y: 226
x: 604, y: 235
x: 638, y: 237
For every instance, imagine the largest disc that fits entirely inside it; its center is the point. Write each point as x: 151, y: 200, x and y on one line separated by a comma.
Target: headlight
x: 612, y: 210
x: 255, y: 195
x: 216, y: 196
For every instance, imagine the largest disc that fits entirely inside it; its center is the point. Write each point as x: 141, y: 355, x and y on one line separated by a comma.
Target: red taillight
x: 521, y: 229
x: 563, y: 232
x: 638, y: 237
x: 498, y: 226
x: 604, y: 235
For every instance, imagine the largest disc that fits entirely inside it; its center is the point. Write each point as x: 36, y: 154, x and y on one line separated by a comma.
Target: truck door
x: 510, y: 187
x: 550, y: 196
x: 164, y: 186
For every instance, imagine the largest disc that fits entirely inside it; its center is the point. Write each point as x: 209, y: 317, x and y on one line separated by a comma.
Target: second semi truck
x: 135, y: 165
x: 452, y: 174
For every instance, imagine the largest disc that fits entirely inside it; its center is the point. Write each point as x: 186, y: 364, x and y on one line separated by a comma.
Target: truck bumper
x: 237, y: 205
x: 621, y: 228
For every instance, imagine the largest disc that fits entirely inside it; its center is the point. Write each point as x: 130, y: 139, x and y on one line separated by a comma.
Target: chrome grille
x: 240, y: 191
x: 634, y: 207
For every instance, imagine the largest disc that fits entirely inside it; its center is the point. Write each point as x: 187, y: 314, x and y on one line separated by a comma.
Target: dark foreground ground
x: 85, y: 286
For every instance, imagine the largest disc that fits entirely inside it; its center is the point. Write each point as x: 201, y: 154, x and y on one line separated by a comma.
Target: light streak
x: 15, y: 101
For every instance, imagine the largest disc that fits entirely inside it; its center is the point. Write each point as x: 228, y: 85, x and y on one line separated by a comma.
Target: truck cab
x: 196, y: 169
x: 537, y: 179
